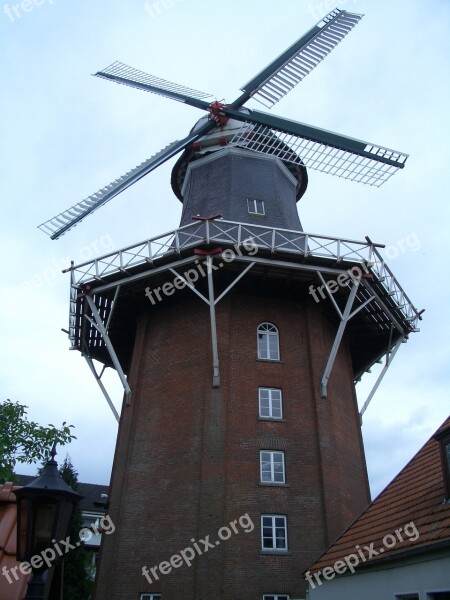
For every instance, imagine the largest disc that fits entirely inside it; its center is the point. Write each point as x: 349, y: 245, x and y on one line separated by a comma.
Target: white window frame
x: 272, y: 461
x: 274, y: 532
x: 276, y: 597
x: 270, y: 332
x: 271, y: 399
x: 253, y: 205
x: 151, y: 597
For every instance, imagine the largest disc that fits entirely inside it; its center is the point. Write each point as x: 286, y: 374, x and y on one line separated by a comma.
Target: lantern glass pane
x: 22, y: 506
x: 43, y: 525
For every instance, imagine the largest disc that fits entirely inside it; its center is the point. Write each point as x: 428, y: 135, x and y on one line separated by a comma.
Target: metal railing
x: 220, y: 231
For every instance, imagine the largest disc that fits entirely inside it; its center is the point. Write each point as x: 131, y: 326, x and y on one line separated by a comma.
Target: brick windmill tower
x: 238, y: 338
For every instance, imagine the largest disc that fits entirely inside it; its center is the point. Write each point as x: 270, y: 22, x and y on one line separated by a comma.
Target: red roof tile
x: 417, y: 496
x: 10, y: 587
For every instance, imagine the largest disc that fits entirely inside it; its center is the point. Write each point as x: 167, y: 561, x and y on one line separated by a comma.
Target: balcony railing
x: 219, y: 231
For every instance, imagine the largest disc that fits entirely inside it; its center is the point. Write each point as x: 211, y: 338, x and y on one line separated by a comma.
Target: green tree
x: 77, y: 583
x: 24, y: 441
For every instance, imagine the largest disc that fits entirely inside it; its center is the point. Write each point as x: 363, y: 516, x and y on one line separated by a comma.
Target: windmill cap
x: 219, y: 138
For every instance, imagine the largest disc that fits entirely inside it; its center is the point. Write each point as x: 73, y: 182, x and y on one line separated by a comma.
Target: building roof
x: 94, y: 495
x: 416, y: 494
x: 16, y: 589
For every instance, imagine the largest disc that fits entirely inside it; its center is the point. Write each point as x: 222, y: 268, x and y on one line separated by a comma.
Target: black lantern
x: 44, y: 513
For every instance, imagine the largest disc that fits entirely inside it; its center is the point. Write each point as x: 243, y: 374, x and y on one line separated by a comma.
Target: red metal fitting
x: 212, y: 252
x: 216, y: 114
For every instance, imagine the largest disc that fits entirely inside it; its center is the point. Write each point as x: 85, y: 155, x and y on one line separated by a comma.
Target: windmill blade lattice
x: 60, y: 224
x: 289, y: 140
x: 291, y: 67
x: 373, y: 166
x: 121, y: 73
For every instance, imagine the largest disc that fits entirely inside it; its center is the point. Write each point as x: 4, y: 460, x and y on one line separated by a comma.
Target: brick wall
x: 187, y: 459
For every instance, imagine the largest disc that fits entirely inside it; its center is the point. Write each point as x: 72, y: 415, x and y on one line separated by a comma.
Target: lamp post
x: 44, y: 513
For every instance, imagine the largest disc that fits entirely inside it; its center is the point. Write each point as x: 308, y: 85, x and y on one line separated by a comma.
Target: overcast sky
x: 65, y: 134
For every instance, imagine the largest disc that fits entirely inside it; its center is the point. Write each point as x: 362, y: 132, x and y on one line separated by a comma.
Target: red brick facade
x: 187, y: 458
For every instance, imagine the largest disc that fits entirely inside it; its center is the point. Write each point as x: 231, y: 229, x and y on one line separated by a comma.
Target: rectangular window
x: 274, y: 532
x: 255, y: 207
x: 272, y: 466
x: 270, y: 403
x: 151, y: 596
x: 276, y: 597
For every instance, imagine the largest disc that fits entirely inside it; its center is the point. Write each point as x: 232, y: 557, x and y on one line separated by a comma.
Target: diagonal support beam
x: 98, y: 379
x: 225, y: 292
x: 337, y: 340
x: 98, y: 324
x: 389, y: 358
x: 212, y: 301
x: 190, y: 285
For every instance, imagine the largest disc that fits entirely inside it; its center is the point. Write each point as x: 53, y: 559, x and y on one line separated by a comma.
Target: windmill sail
x: 286, y: 71
x: 324, y: 151
x: 125, y: 75
x: 289, y: 140
x: 58, y: 225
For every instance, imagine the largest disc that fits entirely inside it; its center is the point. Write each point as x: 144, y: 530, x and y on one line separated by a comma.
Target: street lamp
x: 44, y: 512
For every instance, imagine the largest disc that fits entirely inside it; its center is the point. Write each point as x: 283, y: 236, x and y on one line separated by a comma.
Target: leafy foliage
x: 24, y: 441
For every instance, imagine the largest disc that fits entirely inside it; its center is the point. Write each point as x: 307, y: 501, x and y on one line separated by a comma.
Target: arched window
x: 268, y: 344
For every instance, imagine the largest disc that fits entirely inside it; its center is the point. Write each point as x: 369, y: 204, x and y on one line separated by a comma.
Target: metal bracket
x: 389, y: 358
x: 99, y: 325
x: 212, y: 316
x: 345, y: 318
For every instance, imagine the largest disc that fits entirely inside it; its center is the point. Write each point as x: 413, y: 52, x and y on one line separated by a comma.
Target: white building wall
x: 423, y: 578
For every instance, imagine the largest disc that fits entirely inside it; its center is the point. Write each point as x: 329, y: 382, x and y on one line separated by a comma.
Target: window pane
x: 276, y: 409
x: 270, y: 403
x: 274, y: 533
x: 268, y: 342
x: 266, y: 474
x: 264, y: 410
x: 273, y: 346
x: 262, y: 345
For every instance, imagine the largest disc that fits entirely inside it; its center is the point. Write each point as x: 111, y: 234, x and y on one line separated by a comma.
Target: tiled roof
x: 417, y: 494
x: 16, y: 590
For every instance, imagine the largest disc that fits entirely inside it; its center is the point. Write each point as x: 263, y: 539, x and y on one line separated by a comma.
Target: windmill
x: 291, y: 141
x: 274, y: 437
